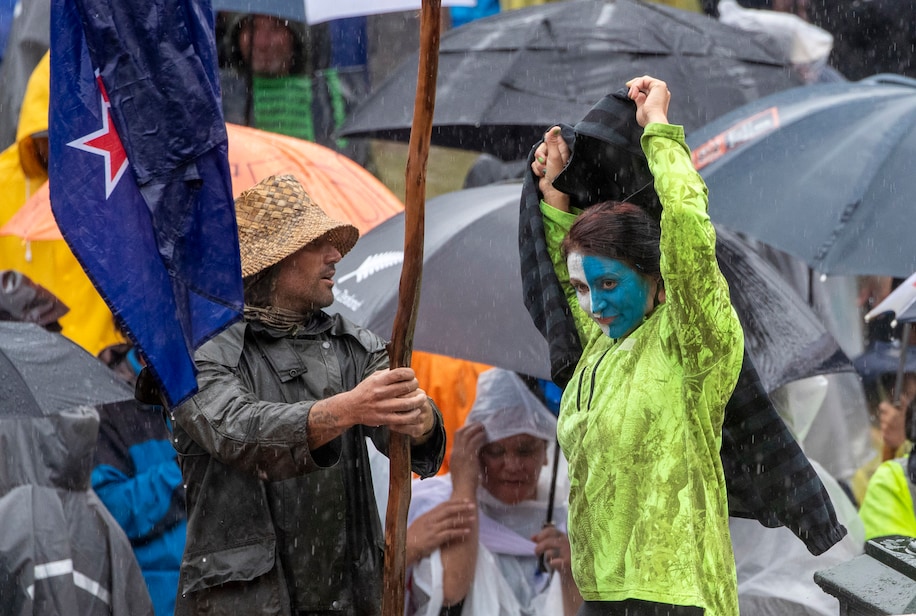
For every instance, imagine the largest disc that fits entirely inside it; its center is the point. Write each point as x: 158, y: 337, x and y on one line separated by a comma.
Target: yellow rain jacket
x: 641, y: 418
x: 887, y: 508
x: 49, y: 263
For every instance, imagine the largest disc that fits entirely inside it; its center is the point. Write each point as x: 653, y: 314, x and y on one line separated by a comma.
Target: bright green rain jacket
x: 641, y: 418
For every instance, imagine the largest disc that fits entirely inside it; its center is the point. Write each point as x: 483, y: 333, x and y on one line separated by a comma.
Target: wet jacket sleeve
x: 426, y: 459
x: 267, y: 439
x: 708, y: 331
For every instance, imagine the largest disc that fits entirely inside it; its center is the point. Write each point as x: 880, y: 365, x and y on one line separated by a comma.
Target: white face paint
x: 578, y: 281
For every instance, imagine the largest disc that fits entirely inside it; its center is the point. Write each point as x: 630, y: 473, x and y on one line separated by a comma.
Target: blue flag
x: 139, y: 173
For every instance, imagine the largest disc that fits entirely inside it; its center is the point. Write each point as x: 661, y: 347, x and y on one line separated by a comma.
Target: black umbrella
x: 823, y: 172
x: 883, y: 357
x: 471, y: 304
x: 44, y: 373
x: 504, y: 79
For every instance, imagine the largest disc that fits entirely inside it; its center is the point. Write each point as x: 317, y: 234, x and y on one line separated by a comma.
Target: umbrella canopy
x: 883, y: 357
x: 44, y: 373
x: 823, y: 172
x: 343, y: 188
x: 471, y: 305
x: 504, y: 79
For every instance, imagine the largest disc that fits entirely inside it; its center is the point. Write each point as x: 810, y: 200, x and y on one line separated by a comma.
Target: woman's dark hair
x: 617, y: 230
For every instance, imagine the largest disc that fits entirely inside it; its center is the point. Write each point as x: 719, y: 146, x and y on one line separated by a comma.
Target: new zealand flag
x: 139, y: 173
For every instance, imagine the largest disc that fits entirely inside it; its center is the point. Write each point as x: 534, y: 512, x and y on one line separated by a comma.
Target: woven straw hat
x: 276, y: 218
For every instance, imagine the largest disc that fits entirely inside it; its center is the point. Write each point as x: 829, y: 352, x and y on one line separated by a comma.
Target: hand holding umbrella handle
x: 542, y: 560
x: 888, y: 451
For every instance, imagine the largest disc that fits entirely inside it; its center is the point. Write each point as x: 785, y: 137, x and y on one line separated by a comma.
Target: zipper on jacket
x: 591, y: 392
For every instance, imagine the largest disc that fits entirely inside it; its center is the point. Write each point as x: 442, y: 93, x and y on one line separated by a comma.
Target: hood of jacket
x: 33, y: 119
x: 53, y: 451
x: 231, y: 53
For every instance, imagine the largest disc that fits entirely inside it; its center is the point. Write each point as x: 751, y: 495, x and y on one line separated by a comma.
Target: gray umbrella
x: 61, y: 551
x: 823, y: 172
x: 44, y: 373
x: 471, y: 304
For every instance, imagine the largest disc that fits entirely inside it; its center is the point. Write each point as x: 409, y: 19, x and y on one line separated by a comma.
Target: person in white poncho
x: 475, y: 536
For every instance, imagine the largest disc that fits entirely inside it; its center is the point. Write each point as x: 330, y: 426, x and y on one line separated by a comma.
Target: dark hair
x: 617, y: 230
x: 259, y: 287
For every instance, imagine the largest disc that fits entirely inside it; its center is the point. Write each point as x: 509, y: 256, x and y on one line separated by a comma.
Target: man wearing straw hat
x: 281, y: 513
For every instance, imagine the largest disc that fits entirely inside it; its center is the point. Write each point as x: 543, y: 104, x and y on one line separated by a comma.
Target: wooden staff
x: 401, y: 345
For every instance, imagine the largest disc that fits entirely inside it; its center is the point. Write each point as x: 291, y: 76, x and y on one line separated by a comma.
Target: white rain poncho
x: 506, y: 407
x: 506, y: 581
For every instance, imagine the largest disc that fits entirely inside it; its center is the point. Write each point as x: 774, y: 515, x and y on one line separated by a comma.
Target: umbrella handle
x: 901, y: 365
x: 542, y: 561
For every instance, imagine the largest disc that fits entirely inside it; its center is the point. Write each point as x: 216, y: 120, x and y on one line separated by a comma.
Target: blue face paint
x: 610, y: 291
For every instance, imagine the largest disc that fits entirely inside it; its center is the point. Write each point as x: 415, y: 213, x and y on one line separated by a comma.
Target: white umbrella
x: 902, y: 303
x: 318, y: 11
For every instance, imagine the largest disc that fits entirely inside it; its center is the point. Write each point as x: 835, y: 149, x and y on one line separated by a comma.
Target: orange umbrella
x: 346, y: 191
x: 343, y: 188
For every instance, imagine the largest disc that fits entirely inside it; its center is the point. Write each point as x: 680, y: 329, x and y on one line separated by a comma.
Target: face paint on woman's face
x: 610, y: 291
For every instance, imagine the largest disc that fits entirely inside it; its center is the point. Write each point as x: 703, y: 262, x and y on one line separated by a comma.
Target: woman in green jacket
x: 641, y: 418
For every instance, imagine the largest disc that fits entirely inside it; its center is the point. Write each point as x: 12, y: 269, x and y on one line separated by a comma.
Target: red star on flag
x: 106, y: 143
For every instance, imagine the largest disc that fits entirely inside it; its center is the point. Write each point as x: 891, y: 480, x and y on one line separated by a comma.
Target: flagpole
x: 401, y: 345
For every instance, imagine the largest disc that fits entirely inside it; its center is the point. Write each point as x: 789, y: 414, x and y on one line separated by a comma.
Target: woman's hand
x: 464, y: 465
x: 554, y: 545
x: 893, y: 430
x: 446, y: 522
x: 652, y: 97
x: 550, y: 159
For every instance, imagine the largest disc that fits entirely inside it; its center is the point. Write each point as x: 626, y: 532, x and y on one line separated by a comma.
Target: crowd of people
x: 261, y: 493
